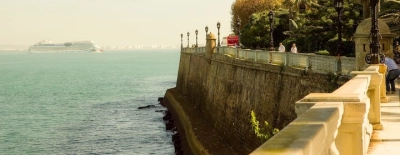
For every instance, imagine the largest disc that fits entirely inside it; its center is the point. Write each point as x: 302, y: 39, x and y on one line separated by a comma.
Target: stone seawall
x: 226, y: 89
x: 183, y: 124
x: 197, y: 136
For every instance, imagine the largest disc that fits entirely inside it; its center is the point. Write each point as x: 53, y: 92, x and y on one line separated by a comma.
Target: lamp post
x: 339, y: 9
x: 218, y: 26
x: 375, y: 56
x: 271, y: 20
x: 197, y: 32
x: 238, y: 30
x: 188, y: 38
x: 206, y: 31
x: 181, y: 40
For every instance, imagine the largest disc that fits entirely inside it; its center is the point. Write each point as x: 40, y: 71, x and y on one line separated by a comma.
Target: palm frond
x: 293, y: 23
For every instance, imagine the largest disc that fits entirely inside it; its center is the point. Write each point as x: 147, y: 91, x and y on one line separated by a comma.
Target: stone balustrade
x: 313, y: 62
x: 340, y: 122
x: 334, y: 123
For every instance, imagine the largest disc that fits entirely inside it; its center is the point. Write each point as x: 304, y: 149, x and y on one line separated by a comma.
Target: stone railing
x: 198, y: 50
x: 340, y: 122
x: 316, y: 63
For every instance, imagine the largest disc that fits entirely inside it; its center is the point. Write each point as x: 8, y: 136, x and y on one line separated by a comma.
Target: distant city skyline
x: 112, y: 22
x: 113, y: 47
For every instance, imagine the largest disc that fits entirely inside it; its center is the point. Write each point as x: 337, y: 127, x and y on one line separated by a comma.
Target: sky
x: 112, y: 22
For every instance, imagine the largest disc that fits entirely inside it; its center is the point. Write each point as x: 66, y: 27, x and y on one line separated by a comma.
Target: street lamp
x: 271, y: 20
x: 206, y: 31
x: 188, y: 38
x: 218, y: 26
x: 197, y: 32
x: 181, y: 40
x: 339, y: 9
x: 238, y: 30
x: 374, y: 56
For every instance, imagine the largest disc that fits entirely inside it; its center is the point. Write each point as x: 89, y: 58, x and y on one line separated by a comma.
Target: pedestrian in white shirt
x: 281, y: 48
x: 294, y: 48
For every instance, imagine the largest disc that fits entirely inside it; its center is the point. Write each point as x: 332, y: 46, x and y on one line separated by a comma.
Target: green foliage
x: 264, y: 136
x: 310, y: 29
x: 243, y: 9
x: 390, y: 13
x: 256, y: 33
x: 319, y: 24
x: 389, y: 5
x: 348, y: 47
x: 322, y: 52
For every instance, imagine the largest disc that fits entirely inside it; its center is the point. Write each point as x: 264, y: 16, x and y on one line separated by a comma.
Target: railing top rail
x: 305, y: 134
x: 357, y: 85
x: 316, y: 63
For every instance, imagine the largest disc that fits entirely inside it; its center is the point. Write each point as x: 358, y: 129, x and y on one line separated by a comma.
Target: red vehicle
x: 232, y: 40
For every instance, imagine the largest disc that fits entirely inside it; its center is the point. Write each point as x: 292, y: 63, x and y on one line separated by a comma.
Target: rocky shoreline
x: 192, y: 133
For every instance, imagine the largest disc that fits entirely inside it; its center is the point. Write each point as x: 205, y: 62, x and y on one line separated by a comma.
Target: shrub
x: 261, y: 134
x: 348, y: 47
x: 322, y: 52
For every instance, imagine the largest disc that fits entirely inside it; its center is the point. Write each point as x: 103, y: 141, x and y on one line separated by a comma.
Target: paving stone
x: 387, y: 141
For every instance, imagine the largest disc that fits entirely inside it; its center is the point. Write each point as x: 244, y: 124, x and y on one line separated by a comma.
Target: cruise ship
x: 48, y: 46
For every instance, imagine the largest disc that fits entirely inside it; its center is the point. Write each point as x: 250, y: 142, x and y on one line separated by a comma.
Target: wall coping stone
x: 305, y: 134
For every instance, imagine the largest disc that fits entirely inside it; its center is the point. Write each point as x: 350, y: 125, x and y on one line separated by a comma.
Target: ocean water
x: 85, y: 103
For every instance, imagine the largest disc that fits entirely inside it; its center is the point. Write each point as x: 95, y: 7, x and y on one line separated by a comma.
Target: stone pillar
x: 338, y: 67
x: 210, y: 46
x: 383, y: 70
x: 361, y: 39
x: 286, y: 58
x: 366, y: 9
x: 270, y: 56
x: 309, y: 64
x: 354, y: 131
x: 373, y: 93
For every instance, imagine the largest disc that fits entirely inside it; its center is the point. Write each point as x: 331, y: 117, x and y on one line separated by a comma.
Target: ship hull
x: 65, y: 51
x: 70, y: 47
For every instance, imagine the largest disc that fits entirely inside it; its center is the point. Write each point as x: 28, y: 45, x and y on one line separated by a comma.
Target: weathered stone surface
x: 227, y: 89
x: 344, y: 113
x: 311, y: 133
x: 365, y: 27
x: 362, y: 41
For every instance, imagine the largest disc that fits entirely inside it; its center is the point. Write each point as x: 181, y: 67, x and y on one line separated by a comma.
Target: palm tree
x: 297, y: 5
x: 390, y: 13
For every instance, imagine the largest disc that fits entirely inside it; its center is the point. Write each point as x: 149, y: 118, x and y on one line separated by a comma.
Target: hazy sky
x: 111, y: 22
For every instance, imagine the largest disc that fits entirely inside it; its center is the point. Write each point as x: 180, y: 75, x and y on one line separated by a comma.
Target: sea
x: 85, y: 103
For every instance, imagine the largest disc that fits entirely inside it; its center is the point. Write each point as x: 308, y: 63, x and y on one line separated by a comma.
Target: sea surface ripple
x: 85, y: 103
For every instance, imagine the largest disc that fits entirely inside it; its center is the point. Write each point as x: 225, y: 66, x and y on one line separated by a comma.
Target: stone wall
x: 227, y: 89
x: 340, y: 122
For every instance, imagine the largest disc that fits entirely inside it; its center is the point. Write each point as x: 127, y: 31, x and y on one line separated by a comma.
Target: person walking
x: 393, y: 73
x: 294, y: 48
x: 281, y: 48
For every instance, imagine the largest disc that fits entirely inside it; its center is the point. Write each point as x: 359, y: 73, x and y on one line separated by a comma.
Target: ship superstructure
x: 48, y: 46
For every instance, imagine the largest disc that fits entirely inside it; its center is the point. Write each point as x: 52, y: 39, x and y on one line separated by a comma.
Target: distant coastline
x: 105, y: 48
x: 9, y: 47
x: 104, y: 51
x: 13, y: 50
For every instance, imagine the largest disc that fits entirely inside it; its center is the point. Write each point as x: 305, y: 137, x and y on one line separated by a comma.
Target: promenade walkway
x: 387, y: 141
